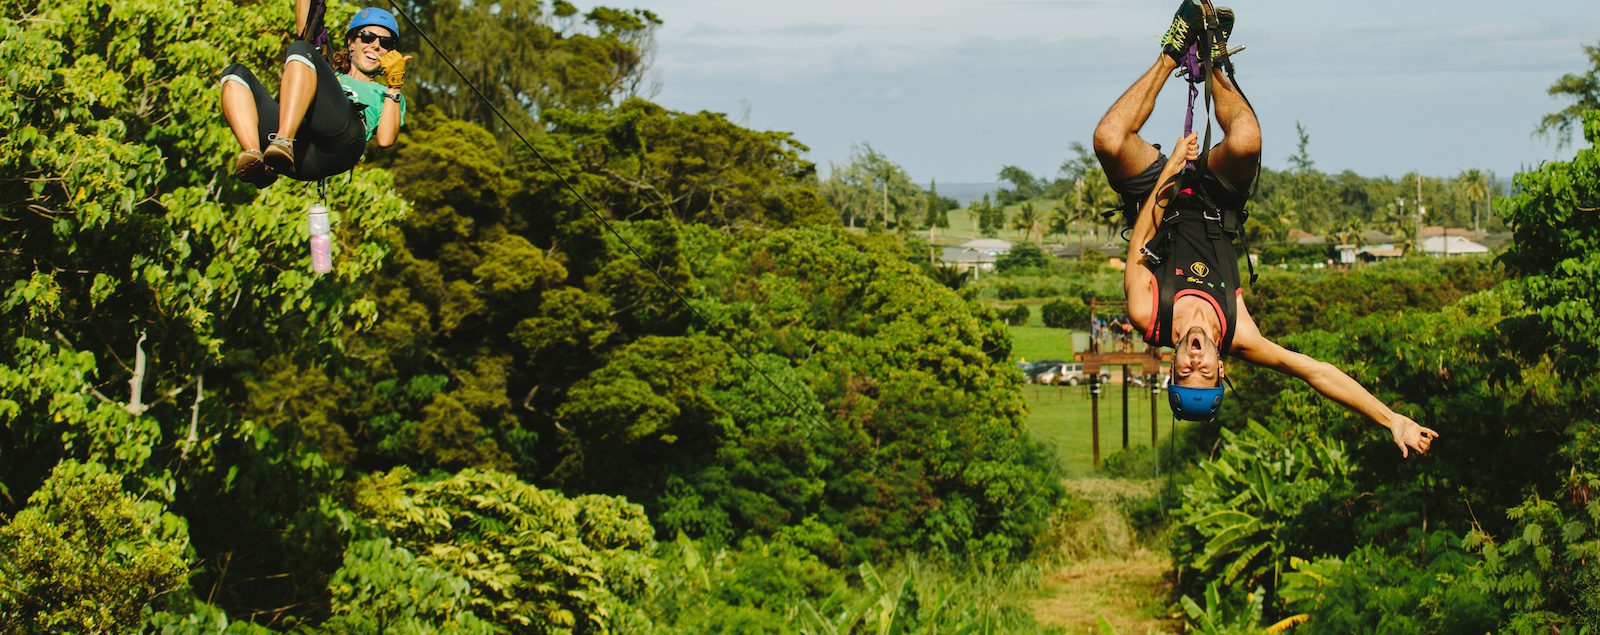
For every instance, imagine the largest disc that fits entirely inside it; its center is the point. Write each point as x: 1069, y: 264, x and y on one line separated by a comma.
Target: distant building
x: 1383, y: 252
x: 1375, y: 238
x: 1306, y: 239
x: 1444, y: 246
x: 979, y: 254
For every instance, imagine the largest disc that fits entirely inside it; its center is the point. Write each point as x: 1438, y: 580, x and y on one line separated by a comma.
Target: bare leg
x: 294, y: 96
x: 302, y: 9
x: 1122, y: 152
x: 239, y: 108
x: 1237, y: 156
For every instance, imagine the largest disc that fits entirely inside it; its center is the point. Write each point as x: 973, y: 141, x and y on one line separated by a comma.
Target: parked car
x: 1032, y: 370
x: 1071, y: 374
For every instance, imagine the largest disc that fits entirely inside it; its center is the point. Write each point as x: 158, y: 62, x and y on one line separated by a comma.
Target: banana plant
x: 1236, y: 514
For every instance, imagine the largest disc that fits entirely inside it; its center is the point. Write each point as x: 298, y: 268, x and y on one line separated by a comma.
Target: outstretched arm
x: 1136, y: 278
x: 1331, y: 382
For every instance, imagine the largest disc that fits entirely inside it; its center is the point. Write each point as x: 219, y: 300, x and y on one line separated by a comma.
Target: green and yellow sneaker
x: 1186, y: 26
x: 1219, y: 44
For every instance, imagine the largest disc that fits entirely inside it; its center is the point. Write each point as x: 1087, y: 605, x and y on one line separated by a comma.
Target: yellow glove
x: 394, y: 68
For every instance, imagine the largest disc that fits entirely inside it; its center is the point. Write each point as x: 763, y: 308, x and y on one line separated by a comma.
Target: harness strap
x: 1199, y: 58
x: 315, y: 32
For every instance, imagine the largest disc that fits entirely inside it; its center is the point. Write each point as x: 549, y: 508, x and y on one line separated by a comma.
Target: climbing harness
x: 1197, y: 68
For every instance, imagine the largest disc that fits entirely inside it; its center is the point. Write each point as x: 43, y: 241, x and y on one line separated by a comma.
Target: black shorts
x: 331, y: 137
x: 1135, y: 189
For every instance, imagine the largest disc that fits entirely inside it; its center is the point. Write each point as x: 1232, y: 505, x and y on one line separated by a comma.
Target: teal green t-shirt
x: 370, y: 96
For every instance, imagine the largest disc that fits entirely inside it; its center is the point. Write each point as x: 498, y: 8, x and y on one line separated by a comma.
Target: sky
x: 954, y: 90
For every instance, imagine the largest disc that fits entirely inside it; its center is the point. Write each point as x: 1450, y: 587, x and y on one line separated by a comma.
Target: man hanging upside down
x: 1187, y: 294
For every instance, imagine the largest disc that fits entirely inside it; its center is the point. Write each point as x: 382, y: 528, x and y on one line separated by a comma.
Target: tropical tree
x: 1027, y: 219
x: 1024, y: 186
x: 1474, y: 184
x: 565, y: 59
x: 876, y: 190
x: 1583, y: 89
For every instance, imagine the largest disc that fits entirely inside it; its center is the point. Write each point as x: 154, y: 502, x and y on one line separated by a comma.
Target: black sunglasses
x: 386, y: 41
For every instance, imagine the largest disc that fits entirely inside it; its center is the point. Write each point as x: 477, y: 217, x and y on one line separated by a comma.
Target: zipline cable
x: 596, y: 213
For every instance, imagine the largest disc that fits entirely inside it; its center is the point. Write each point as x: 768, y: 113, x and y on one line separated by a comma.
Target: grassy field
x: 1059, y: 416
x: 1034, y: 343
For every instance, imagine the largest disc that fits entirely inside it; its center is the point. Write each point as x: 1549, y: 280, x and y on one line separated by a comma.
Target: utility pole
x: 1421, y: 211
x: 886, y: 202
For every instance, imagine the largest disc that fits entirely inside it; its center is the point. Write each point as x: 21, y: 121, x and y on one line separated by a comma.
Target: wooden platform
x: 1148, y: 363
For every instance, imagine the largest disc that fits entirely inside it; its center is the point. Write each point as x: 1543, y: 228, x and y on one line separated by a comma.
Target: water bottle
x: 321, y: 241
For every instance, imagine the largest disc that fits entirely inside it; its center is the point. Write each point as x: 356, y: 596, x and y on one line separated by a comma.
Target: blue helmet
x: 1195, y: 404
x: 373, y: 16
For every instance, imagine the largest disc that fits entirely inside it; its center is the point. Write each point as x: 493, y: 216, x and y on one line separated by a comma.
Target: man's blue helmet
x: 373, y: 16
x: 1194, y: 404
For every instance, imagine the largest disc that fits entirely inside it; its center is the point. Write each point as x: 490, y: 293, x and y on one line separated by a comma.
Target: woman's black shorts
x: 332, y: 136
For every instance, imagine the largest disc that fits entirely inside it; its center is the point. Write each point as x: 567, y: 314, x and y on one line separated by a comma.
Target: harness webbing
x: 315, y: 32
x: 1197, y: 67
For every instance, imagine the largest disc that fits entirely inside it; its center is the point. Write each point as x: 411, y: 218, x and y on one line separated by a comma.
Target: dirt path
x: 1111, y: 576
x: 1130, y: 594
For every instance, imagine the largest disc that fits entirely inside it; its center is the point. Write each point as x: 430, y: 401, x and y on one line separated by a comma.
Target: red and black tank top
x: 1196, y: 259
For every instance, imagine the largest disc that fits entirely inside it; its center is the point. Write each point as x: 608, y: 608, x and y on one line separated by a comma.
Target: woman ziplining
x: 1182, y: 283
x: 326, y: 112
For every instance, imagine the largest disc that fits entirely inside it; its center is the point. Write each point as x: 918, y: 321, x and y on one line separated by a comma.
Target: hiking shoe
x: 1219, y: 45
x: 279, y: 154
x: 1186, y: 26
x: 250, y: 168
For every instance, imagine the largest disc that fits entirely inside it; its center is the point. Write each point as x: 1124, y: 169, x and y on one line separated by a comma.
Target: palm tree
x: 1476, y: 186
x: 1027, y: 220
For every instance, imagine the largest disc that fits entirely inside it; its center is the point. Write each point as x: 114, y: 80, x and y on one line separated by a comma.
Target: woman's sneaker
x: 279, y: 154
x: 250, y: 168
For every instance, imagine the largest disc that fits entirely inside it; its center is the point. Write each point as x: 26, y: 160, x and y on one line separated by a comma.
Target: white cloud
x: 954, y: 89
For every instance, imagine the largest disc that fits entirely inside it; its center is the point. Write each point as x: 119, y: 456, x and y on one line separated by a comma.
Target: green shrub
x: 1017, y: 315
x: 1063, y: 313
x: 1264, y: 498
x: 529, y: 554
x: 85, y: 556
x: 1022, y: 257
x: 1434, y: 586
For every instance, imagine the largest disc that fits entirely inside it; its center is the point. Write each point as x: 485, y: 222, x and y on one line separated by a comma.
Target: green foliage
x: 1285, y: 303
x: 1022, y: 257
x: 1024, y: 186
x: 382, y: 588
x: 872, y: 191
x: 1216, y: 618
x: 991, y: 217
x: 1062, y: 278
x: 703, y: 168
x: 1017, y: 315
x: 1584, y: 91
x: 922, y: 404
x: 777, y: 587
x: 938, y: 208
x: 1065, y: 313
x: 158, y: 320
x: 87, y: 556
x: 1544, y: 571
x: 1557, y: 253
x: 572, y: 61
x: 1263, y: 499
x: 1435, y: 586
x: 536, y: 562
